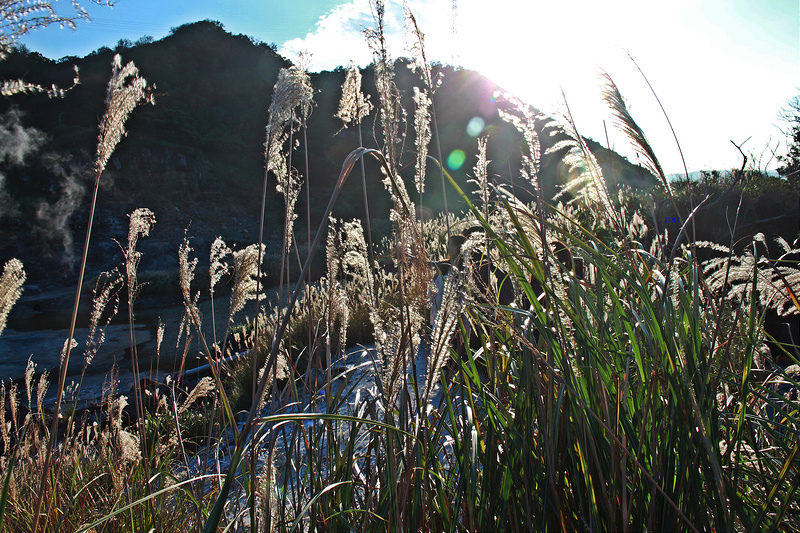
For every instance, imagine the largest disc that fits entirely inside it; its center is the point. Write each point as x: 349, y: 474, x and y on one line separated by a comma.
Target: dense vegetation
x: 623, y: 386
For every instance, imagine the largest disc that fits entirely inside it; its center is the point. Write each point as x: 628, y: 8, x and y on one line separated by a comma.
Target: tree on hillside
x: 790, y: 163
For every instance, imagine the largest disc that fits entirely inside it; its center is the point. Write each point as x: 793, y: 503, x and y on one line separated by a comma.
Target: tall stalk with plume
x: 292, y: 91
x: 423, y: 98
x: 391, y: 112
x: 354, y: 106
x: 126, y: 90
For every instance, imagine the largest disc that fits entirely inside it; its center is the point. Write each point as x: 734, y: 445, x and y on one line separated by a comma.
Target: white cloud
x: 338, y: 37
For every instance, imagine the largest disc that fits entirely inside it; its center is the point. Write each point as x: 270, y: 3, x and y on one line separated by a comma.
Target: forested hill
x: 195, y: 158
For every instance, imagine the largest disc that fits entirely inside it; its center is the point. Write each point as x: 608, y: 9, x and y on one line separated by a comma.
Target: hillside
x: 196, y: 157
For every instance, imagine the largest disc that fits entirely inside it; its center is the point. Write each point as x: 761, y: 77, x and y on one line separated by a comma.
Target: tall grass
x: 625, y: 399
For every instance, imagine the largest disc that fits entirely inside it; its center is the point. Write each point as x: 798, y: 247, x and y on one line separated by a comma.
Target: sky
x: 721, y: 69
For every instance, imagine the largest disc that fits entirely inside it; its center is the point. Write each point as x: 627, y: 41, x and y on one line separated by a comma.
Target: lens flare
x: 475, y: 126
x: 456, y: 159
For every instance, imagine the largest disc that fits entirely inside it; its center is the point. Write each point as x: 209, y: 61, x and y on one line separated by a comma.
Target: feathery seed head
x: 141, y: 222
x: 388, y: 333
x: 589, y: 183
x: 415, y: 44
x: 125, y: 91
x: 71, y: 345
x: 246, y: 271
x: 186, y: 268
x: 128, y: 447
x: 217, y: 265
x: 523, y: 118
x: 482, y: 176
x: 454, y: 299
x: 10, y: 288
x: 422, y: 125
x: 205, y: 387
x: 292, y: 89
x: 41, y: 390
x: 106, y: 290
x: 185, y: 277
x: 29, y: 371
x: 353, y: 106
x: 159, y: 337
x: 290, y: 189
x: 623, y: 120
x: 392, y: 113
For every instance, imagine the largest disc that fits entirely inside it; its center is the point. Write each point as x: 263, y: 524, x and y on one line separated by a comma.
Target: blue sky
x: 723, y: 69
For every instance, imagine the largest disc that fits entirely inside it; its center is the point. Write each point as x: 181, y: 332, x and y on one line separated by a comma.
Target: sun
x: 532, y: 49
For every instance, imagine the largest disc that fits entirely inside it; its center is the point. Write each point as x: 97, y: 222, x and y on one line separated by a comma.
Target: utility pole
x: 455, y: 59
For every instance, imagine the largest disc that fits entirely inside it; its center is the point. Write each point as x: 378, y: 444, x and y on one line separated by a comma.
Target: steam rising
x: 52, y: 219
x: 16, y: 142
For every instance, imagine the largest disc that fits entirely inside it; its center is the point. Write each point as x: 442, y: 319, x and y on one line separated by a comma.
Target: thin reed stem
x: 44, y: 486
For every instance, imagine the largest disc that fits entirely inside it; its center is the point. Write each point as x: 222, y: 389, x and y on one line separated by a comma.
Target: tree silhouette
x: 790, y: 163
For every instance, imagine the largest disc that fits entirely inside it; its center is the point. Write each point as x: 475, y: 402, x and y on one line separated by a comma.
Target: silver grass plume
x: 67, y: 342
x: 397, y: 335
x: 355, y: 259
x: 482, y: 176
x: 413, y: 265
x: 10, y: 288
x: 292, y: 90
x: 392, y: 114
x: 185, y: 277
x: 290, y: 189
x: 388, y: 331
x: 415, y: 45
x: 785, y: 279
x: 20, y: 18
x: 454, y: 299
x: 784, y: 282
x: 246, y: 271
x: 589, y: 183
x: 159, y: 337
x: 353, y: 106
x: 738, y: 272
x: 336, y: 308
x: 218, y: 267
x: 125, y: 91
x: 29, y: 371
x: 142, y: 221
x: 524, y: 120
x: 352, y: 264
x: 184, y: 327
x: 623, y: 120
x: 205, y: 387
x: 422, y: 127
x: 106, y: 290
